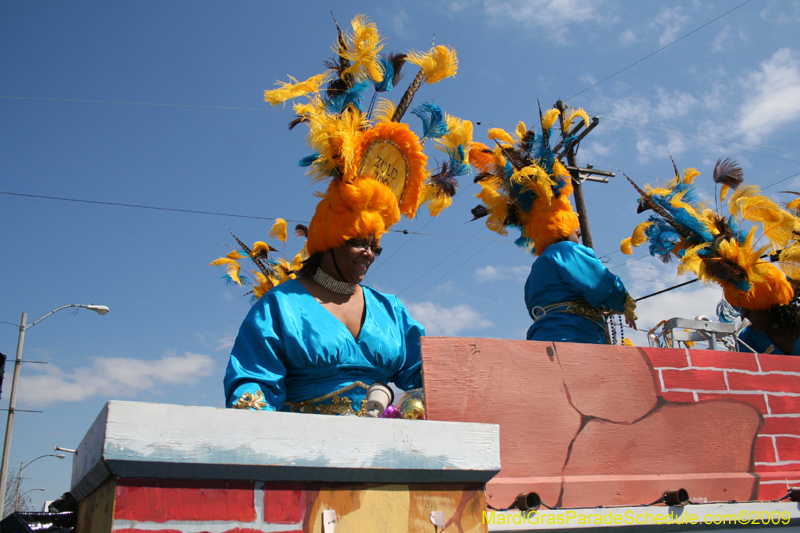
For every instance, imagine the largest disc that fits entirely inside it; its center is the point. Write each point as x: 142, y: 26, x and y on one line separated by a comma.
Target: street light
x: 22, y: 466
x: 99, y: 309
x: 23, y: 494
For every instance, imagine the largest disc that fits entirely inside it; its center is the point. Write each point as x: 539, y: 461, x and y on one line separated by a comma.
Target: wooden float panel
x: 167, y: 468
x: 145, y: 440
x: 587, y: 425
x: 197, y: 506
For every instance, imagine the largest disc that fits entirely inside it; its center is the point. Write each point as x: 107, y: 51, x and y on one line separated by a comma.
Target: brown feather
x: 297, y: 120
x: 405, y: 101
x: 301, y: 231
x: 250, y: 253
x: 479, y: 211
x: 728, y: 172
x: 725, y: 270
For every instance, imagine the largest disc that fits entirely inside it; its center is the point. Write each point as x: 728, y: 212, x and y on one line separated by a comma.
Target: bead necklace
x: 335, y: 286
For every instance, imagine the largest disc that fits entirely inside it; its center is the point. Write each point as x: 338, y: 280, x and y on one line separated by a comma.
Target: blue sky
x: 160, y: 104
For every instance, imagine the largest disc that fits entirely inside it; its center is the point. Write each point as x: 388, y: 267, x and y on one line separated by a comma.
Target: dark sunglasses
x: 363, y: 244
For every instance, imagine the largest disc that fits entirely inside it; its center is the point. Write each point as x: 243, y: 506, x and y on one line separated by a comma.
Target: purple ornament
x: 391, y: 412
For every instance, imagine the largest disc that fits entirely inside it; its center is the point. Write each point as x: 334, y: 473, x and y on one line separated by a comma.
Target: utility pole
x: 566, y: 148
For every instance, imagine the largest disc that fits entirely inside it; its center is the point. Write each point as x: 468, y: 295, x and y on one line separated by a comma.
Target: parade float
x: 516, y: 436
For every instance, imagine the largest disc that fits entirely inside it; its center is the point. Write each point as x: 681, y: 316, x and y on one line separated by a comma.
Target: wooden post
x: 580, y: 204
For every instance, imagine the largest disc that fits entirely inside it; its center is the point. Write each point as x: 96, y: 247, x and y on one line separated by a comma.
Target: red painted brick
x: 728, y: 360
x: 784, y: 405
x: 779, y: 363
x: 780, y: 426
x: 245, y: 530
x: 680, y: 397
x: 788, y: 448
x: 767, y: 383
x: 284, y: 506
x: 146, y: 531
x: 790, y: 470
x: 161, y: 500
x: 765, y: 451
x: 772, y: 491
x: 694, y: 379
x: 756, y: 400
x: 667, y: 357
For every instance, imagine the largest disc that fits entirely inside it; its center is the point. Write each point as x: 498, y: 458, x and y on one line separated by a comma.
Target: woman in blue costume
x: 566, y: 292
x: 316, y: 342
x: 524, y: 185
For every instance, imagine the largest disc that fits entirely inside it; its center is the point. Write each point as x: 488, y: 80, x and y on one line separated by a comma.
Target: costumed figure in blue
x: 720, y: 251
x: 316, y: 339
x: 569, y: 292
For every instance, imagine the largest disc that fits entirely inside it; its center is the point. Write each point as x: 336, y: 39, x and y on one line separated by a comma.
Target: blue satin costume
x: 292, y: 349
x: 760, y: 342
x: 565, y: 272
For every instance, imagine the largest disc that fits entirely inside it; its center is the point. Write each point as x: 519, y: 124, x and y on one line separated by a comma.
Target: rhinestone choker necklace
x: 339, y: 287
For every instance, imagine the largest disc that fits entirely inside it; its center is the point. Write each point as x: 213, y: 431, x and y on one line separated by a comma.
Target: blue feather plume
x: 434, y: 125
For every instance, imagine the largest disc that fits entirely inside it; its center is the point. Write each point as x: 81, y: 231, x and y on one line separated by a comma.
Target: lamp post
x: 99, y: 309
x: 19, y: 498
x: 19, y: 477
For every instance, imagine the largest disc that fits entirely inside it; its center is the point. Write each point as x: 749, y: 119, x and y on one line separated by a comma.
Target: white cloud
x: 670, y: 21
x: 673, y: 105
x: 722, y: 40
x: 114, y: 377
x: 498, y: 273
x: 782, y: 12
x: 773, y: 96
x: 649, y: 149
x: 225, y: 343
x: 447, y: 321
x: 543, y: 13
x: 627, y: 38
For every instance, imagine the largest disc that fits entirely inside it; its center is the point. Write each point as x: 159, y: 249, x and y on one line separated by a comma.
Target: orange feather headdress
x: 716, y: 248
x: 524, y: 185
x: 375, y: 164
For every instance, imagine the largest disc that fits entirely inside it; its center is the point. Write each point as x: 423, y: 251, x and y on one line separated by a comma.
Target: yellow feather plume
x: 576, y: 113
x: 384, y: 110
x: 794, y: 206
x: 278, y: 230
x: 500, y: 134
x: 459, y: 134
x: 627, y: 342
x: 723, y: 192
x: 639, y: 237
x: 293, y: 89
x: 625, y: 246
x: 689, y: 175
x: 549, y: 118
x: 437, y: 64
x: 362, y: 50
x: 521, y: 130
x: 692, y: 262
x: 259, y: 248
x: 231, y: 266
x: 790, y: 260
x: 236, y: 254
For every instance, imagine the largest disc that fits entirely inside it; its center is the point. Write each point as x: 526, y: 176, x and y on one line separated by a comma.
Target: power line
x: 134, y: 103
x: 659, y: 50
x: 452, y: 270
x: 197, y: 212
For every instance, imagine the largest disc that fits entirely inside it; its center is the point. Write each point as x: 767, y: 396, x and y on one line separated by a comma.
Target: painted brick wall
x: 771, y: 383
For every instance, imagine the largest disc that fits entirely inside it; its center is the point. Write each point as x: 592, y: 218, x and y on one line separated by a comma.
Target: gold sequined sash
x: 576, y: 307
x: 340, y: 405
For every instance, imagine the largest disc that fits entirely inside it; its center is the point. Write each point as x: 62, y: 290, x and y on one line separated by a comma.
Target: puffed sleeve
x: 410, y: 374
x: 588, y: 276
x: 256, y: 369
